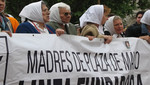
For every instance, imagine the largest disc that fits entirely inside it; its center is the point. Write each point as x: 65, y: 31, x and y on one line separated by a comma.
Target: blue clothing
x: 144, y: 29
x: 4, y: 23
x: 27, y: 27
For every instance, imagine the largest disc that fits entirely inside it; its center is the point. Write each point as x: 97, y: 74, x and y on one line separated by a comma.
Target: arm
x: 147, y: 38
x: 8, y: 32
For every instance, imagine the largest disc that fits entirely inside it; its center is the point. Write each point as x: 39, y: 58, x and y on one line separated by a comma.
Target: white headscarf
x: 146, y: 18
x: 54, y: 12
x: 33, y: 12
x: 93, y: 14
x: 109, y: 25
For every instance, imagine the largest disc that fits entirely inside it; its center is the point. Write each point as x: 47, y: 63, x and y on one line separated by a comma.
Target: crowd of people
x: 37, y: 18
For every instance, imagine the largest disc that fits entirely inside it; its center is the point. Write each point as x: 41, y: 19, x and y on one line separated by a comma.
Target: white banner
x: 27, y: 59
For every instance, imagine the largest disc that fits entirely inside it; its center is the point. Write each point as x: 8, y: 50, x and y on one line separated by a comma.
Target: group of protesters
x: 37, y: 18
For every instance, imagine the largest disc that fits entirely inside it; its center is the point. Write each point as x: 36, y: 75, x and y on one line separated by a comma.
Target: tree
x: 78, y: 7
x: 143, y: 4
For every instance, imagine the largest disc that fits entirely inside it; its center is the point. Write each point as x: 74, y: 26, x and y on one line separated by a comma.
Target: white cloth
x: 54, y: 12
x: 33, y: 12
x: 146, y: 18
x: 109, y: 25
x: 93, y: 14
x: 100, y: 29
x: 36, y: 25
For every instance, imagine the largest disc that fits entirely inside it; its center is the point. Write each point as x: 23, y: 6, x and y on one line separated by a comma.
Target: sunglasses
x: 67, y: 13
x: 139, y: 17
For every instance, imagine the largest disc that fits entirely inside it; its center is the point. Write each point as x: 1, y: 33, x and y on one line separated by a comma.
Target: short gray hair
x: 117, y: 17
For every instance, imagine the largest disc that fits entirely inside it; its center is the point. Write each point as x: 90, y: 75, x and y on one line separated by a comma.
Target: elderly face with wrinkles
x: 65, y: 15
x: 45, y: 13
x: 118, y: 26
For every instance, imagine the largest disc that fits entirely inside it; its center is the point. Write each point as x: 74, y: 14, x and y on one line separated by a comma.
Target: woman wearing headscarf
x: 94, y: 17
x: 34, y: 17
x: 114, y: 27
x: 142, y: 31
x: 60, y: 16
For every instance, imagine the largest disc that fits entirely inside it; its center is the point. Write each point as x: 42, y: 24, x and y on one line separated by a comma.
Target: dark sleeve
x: 26, y: 28
x: 107, y: 33
x: 22, y: 28
x: 128, y: 32
x: 133, y: 31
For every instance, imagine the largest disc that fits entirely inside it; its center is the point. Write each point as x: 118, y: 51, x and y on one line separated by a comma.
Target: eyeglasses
x: 139, y: 17
x: 67, y: 13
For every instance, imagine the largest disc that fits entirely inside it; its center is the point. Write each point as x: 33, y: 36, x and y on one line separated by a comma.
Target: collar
x: 36, y: 25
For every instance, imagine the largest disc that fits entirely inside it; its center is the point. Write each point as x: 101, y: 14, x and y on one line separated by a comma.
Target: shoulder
x: 133, y: 31
x: 24, y: 27
x: 54, y: 25
x: 50, y: 29
x: 133, y: 27
x: 71, y: 25
x: 26, y: 24
x: 49, y: 23
x: 12, y: 19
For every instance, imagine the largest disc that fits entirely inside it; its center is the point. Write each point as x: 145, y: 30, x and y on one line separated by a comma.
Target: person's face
x: 45, y: 13
x: 104, y: 19
x: 2, y: 5
x: 65, y: 15
x: 118, y: 26
x: 139, y: 18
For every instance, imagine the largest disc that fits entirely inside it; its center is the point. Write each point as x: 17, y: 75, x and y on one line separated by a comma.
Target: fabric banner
x: 35, y: 59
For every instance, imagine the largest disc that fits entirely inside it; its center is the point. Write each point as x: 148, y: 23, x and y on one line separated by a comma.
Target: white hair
x: 117, y: 17
x: 63, y: 5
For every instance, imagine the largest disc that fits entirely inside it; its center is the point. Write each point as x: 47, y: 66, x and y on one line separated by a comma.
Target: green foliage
x: 78, y: 7
x: 143, y: 4
x: 121, y: 7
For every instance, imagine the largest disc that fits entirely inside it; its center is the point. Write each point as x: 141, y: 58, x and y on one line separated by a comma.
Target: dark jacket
x: 137, y: 31
x: 71, y: 29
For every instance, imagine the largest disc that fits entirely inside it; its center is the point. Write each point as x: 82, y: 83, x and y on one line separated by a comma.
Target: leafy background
x: 119, y: 7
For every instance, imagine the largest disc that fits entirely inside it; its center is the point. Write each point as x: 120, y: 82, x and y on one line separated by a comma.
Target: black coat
x: 134, y: 31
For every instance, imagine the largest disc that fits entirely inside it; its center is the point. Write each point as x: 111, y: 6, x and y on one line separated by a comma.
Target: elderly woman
x: 142, y: 31
x: 92, y: 19
x: 60, y: 15
x: 114, y: 27
x: 34, y: 16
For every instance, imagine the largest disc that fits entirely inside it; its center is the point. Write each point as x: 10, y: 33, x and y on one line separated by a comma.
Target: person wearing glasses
x: 139, y: 15
x: 34, y: 17
x: 60, y: 16
x: 91, y: 21
x: 142, y: 31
